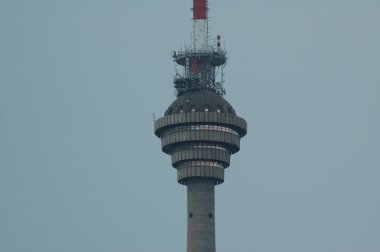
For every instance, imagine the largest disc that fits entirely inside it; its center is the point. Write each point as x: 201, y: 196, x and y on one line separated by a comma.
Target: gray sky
x: 80, y: 167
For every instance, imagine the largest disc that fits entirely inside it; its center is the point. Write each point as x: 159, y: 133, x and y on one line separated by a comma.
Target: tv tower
x: 200, y: 129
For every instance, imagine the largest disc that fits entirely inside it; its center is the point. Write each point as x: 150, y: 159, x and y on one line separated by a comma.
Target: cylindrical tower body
x: 200, y: 130
x: 200, y: 215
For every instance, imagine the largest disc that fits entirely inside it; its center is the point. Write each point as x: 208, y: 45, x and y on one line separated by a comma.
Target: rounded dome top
x: 200, y: 101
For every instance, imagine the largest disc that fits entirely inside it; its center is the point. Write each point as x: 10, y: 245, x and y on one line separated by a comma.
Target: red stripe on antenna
x: 199, y: 9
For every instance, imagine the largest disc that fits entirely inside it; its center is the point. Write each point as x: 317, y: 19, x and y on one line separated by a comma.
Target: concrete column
x: 200, y: 215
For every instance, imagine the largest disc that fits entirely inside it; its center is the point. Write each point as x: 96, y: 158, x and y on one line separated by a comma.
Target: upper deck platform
x: 214, y: 57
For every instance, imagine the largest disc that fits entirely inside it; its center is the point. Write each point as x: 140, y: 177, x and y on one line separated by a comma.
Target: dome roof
x: 200, y: 101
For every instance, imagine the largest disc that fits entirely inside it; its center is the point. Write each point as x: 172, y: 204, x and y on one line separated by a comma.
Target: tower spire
x: 200, y: 24
x: 203, y: 64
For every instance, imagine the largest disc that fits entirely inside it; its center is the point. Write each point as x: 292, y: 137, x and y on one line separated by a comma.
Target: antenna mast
x: 200, y: 25
x: 202, y: 61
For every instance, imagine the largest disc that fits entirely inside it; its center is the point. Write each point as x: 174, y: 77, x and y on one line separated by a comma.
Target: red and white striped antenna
x: 200, y: 25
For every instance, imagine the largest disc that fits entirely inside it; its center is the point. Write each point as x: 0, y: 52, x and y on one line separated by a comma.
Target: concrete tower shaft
x: 200, y: 215
x: 200, y: 130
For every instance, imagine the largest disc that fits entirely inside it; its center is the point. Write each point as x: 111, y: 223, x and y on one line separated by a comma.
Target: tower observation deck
x: 200, y: 130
